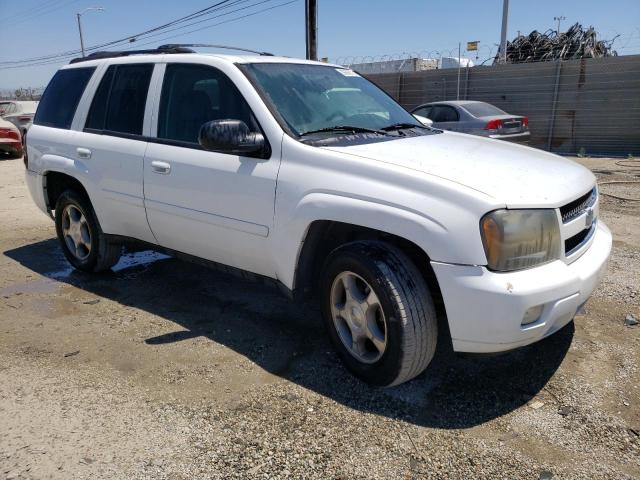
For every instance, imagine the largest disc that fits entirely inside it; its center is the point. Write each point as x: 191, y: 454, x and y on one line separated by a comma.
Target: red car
x: 10, y: 140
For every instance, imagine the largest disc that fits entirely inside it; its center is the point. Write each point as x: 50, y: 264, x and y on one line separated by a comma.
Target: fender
x: 432, y: 236
x: 75, y: 169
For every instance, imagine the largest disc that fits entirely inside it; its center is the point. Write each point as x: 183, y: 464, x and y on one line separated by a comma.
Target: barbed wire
x: 486, y: 53
x: 435, y: 54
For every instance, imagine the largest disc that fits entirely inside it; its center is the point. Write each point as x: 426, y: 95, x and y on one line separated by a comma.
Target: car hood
x: 515, y: 175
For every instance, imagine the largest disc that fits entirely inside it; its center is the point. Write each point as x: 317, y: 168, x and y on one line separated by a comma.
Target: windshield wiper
x: 345, y: 128
x: 400, y: 126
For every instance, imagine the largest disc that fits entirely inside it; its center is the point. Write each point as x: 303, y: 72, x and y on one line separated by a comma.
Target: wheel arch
x: 324, y: 236
x: 55, y: 182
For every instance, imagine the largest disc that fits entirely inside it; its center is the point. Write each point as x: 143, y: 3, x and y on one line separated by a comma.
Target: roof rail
x: 206, y: 45
x: 125, y: 53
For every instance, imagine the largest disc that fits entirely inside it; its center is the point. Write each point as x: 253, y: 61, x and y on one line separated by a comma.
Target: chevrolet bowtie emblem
x: 589, y: 218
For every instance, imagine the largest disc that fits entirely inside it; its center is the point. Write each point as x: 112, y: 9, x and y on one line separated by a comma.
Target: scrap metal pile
x: 575, y: 43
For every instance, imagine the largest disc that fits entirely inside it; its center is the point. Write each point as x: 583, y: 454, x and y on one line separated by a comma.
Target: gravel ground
x: 165, y: 370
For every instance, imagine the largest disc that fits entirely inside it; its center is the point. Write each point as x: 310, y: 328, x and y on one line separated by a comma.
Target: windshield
x: 309, y: 98
x: 481, y: 109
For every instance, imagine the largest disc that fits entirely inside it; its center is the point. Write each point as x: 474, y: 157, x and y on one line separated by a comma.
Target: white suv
x: 309, y: 175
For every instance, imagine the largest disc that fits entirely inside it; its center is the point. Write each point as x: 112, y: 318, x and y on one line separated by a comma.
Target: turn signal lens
x: 518, y: 239
x: 492, y: 240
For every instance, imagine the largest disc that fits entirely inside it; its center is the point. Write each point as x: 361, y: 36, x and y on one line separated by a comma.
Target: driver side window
x: 424, y: 112
x: 195, y: 94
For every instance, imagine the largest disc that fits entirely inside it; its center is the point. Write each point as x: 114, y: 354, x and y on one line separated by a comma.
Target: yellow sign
x: 472, y: 46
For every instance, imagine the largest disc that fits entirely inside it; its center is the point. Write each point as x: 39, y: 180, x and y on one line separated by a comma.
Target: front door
x: 211, y: 205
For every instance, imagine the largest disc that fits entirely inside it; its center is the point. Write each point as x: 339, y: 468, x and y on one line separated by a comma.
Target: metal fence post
x: 466, y: 83
x: 554, y: 103
x: 400, y: 82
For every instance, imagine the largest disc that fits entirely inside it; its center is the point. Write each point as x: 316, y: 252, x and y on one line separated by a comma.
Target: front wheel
x: 83, y: 243
x: 379, y: 312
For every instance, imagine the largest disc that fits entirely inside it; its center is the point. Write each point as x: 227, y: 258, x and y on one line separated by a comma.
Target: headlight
x: 517, y: 239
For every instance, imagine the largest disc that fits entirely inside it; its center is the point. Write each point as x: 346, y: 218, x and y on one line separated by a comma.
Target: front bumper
x: 485, y: 309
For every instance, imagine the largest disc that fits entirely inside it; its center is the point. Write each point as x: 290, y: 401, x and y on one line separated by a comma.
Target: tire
x: 93, y: 252
x: 404, y: 313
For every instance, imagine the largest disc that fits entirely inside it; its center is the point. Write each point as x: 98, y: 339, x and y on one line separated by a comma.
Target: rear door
x: 112, y: 145
x: 445, y: 117
x: 211, y: 205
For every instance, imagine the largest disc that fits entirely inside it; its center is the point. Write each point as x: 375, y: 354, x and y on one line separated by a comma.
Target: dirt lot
x: 163, y: 369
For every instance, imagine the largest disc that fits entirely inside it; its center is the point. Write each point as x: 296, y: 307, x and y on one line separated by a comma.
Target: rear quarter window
x: 60, y: 99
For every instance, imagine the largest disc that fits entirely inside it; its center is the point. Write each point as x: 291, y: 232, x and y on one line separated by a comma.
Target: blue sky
x: 356, y: 28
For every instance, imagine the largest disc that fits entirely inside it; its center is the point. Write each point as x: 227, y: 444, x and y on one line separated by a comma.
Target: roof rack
x: 125, y: 53
x: 162, y: 49
x: 207, y: 45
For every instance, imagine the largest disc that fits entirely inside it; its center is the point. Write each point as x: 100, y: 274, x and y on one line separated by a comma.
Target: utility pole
x: 559, y: 19
x: 311, y: 23
x: 78, y: 15
x: 503, y: 36
x: 80, y: 30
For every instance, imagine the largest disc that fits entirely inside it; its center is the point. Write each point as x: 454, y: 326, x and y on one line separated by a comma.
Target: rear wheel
x: 83, y: 243
x: 379, y: 312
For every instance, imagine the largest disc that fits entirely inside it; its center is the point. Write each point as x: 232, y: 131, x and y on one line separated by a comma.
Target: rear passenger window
x: 119, y: 102
x: 444, y: 113
x: 195, y: 94
x: 60, y: 100
x: 98, y: 110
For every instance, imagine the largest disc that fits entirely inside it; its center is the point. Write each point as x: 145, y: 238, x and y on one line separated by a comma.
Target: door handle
x: 83, y: 152
x: 160, y: 167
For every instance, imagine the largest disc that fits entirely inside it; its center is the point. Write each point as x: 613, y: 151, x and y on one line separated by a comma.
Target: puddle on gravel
x: 128, y: 260
x: 136, y: 259
x: 49, y: 285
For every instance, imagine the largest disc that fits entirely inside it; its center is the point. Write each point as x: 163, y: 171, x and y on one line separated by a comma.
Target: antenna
x: 206, y: 45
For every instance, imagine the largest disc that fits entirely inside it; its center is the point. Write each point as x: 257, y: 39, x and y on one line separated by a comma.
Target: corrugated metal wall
x: 587, y: 106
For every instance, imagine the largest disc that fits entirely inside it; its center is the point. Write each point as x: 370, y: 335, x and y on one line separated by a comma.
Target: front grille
x: 574, y: 209
x: 574, y: 243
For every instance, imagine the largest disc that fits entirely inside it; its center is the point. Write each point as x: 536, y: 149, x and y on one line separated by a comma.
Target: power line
x: 66, y: 57
x: 207, y: 19
x: 39, y: 14
x: 222, y: 23
x: 32, y: 10
x: 211, y: 9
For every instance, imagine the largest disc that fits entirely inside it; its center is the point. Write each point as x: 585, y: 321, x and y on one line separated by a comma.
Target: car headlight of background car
x: 518, y: 239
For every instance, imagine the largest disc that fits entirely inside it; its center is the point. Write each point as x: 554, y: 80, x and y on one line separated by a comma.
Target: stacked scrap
x: 575, y: 43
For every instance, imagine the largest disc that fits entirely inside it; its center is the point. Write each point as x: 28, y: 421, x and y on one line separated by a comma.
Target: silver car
x: 18, y: 112
x: 476, y: 118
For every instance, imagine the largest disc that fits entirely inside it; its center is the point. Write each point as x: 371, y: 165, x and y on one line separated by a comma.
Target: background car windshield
x: 312, y: 97
x: 481, y: 109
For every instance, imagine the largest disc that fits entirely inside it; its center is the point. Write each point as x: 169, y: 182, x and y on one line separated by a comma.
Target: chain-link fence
x: 587, y: 106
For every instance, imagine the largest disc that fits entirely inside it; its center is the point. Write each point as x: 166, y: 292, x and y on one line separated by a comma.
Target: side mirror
x: 427, y: 122
x: 230, y: 136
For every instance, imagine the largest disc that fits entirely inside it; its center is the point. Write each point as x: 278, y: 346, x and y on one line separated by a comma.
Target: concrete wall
x: 589, y: 105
